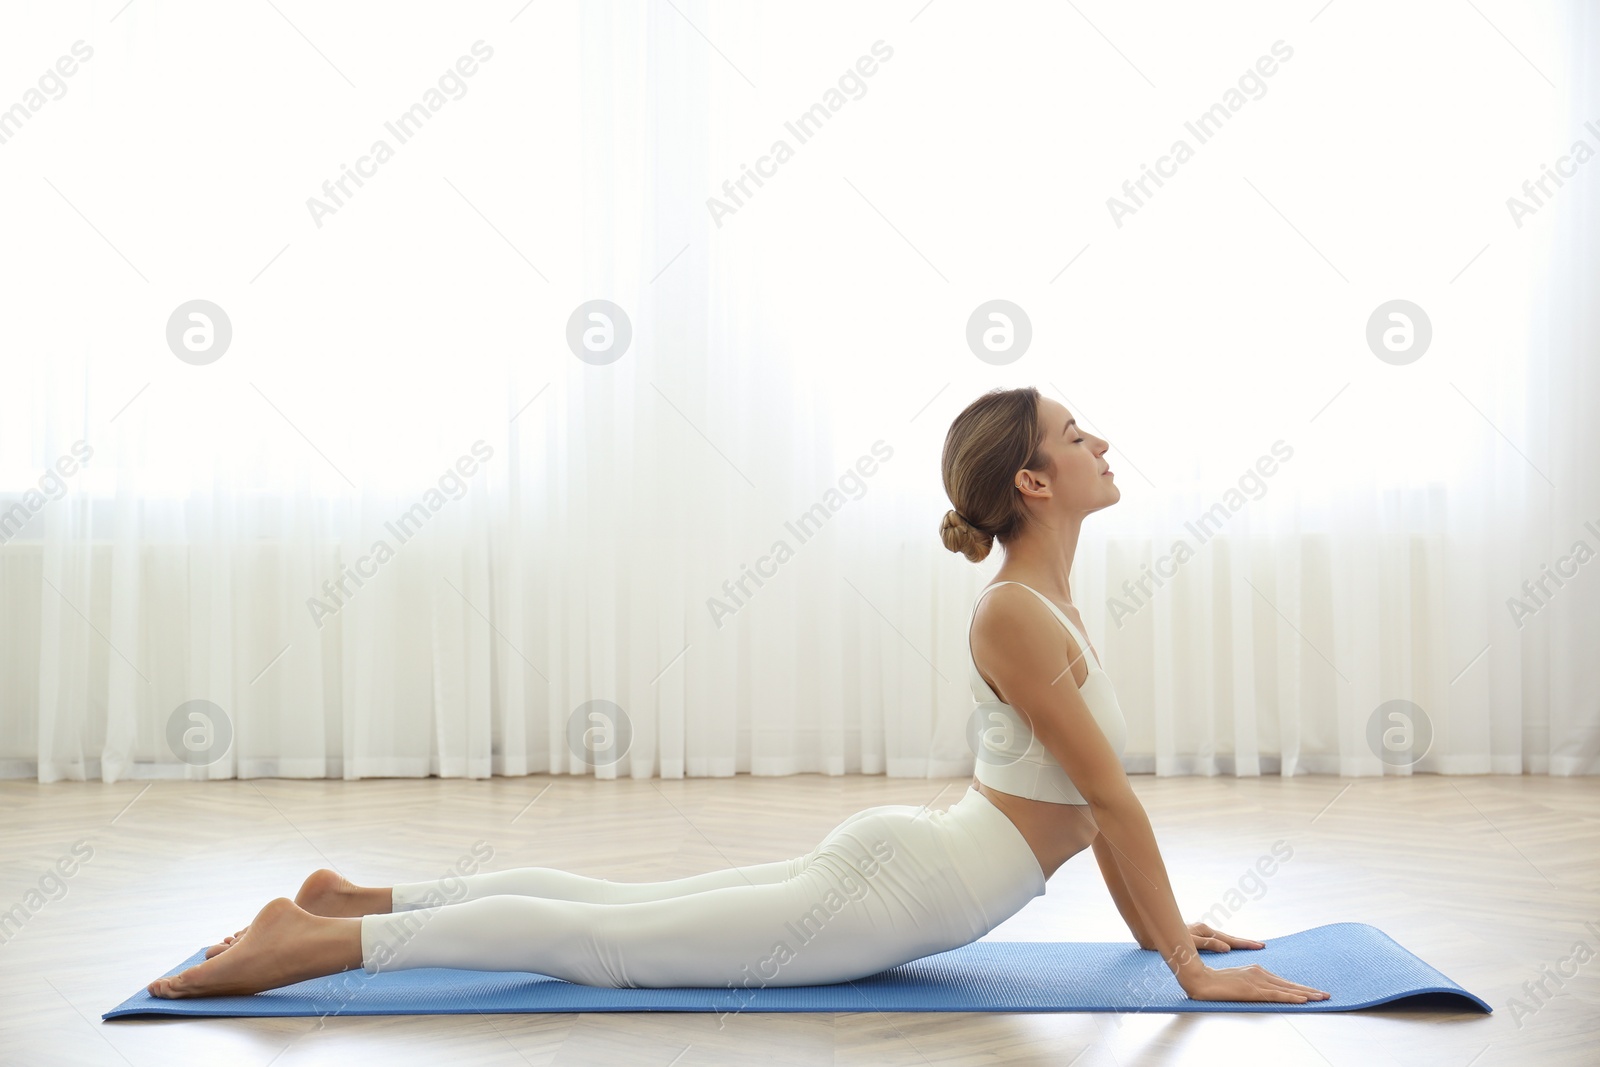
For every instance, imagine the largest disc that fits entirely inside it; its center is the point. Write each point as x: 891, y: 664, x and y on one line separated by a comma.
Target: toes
x: 223, y: 945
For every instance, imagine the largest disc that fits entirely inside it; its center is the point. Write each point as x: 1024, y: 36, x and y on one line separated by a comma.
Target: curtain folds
x: 430, y: 514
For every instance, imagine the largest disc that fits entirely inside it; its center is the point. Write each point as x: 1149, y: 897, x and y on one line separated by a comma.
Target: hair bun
x: 961, y: 536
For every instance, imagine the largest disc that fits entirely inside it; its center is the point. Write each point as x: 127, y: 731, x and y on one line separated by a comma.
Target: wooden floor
x: 1491, y: 880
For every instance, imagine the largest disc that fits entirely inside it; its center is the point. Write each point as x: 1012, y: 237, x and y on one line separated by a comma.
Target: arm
x: 1020, y: 642
x: 1017, y: 641
x: 1112, y: 872
x: 1125, y: 830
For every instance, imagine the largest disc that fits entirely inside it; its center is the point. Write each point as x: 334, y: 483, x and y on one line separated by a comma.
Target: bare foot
x: 330, y: 894
x: 225, y: 944
x: 285, y: 944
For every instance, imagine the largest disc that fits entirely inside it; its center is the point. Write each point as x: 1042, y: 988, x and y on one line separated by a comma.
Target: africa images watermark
x: 1152, y: 983
x: 1398, y: 332
x: 809, y: 522
x: 447, y: 889
x: 1535, y: 596
x: 1566, y: 167
x: 52, y: 486
x: 406, y: 126
x: 808, y: 926
x: 51, y: 82
x: 803, y: 128
x: 1566, y: 967
x: 52, y: 886
x: 404, y: 527
x: 1210, y: 123
x: 1138, y: 594
x: 1250, y: 885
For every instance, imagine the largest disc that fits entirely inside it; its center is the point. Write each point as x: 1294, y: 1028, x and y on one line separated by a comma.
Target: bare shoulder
x: 1013, y: 630
x: 1020, y: 644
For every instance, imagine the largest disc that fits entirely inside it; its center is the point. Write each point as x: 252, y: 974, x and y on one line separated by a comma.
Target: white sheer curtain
x: 728, y: 531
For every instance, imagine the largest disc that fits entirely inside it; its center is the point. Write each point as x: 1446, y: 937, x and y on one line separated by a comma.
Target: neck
x: 1042, y: 556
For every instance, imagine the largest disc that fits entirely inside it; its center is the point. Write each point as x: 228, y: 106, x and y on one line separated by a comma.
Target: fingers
x: 1293, y: 985
x: 1300, y: 990
x: 1226, y: 943
x: 1292, y: 996
x: 1232, y: 939
x: 1278, y: 982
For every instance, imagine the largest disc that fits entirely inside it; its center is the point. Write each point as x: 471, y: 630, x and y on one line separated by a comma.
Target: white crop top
x: 1010, y: 758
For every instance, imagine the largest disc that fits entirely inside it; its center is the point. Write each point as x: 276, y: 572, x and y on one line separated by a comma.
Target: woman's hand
x: 1217, y: 941
x: 1251, y: 982
x: 1204, y: 937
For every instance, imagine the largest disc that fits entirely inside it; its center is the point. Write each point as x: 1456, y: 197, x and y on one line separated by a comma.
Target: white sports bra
x: 1010, y: 758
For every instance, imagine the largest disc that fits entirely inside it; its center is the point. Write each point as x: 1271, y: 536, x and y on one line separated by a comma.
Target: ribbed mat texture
x: 1359, y: 964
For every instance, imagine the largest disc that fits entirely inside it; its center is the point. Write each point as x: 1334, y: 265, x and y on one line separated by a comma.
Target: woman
x: 889, y: 884
x: 1022, y: 471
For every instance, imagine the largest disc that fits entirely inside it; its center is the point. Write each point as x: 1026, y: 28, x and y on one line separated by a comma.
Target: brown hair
x: 996, y: 435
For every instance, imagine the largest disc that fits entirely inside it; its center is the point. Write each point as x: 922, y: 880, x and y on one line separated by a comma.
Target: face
x: 1080, y: 481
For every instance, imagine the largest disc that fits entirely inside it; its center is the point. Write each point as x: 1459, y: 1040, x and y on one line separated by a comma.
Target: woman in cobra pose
x: 887, y: 885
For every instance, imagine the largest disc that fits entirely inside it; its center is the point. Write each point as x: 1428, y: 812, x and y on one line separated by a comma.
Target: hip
x: 971, y: 857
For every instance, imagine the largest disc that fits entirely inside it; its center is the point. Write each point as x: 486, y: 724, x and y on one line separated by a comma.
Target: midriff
x: 1055, y: 832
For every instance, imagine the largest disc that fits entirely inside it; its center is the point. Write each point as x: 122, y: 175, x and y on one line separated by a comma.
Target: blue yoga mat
x: 1359, y: 965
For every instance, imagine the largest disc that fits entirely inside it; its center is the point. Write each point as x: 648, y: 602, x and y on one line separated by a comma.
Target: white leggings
x: 888, y: 885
